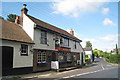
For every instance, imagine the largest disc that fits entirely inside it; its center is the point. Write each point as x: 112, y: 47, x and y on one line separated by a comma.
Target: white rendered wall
x: 18, y: 60
x: 50, y: 42
x: 89, y: 53
x: 28, y: 26
x: 78, y: 47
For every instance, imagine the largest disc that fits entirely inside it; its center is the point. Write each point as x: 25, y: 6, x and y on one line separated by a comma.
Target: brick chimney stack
x: 24, y: 10
x: 17, y: 21
x: 72, y: 32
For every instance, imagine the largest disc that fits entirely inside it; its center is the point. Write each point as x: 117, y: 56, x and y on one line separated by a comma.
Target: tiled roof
x: 51, y: 27
x: 88, y: 49
x: 12, y: 31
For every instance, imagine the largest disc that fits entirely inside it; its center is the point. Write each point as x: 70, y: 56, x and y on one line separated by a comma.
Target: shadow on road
x: 96, y: 61
x: 94, y: 65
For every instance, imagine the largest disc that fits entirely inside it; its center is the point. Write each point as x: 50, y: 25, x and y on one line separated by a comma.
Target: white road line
x: 81, y: 74
x: 102, y: 66
x: 87, y: 73
x: 108, y: 65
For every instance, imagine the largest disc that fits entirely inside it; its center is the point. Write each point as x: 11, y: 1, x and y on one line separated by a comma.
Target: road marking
x: 81, y: 74
x: 102, y: 66
x: 108, y: 65
x: 86, y: 73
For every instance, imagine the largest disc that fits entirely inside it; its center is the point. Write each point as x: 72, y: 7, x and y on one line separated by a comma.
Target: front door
x: 7, y: 59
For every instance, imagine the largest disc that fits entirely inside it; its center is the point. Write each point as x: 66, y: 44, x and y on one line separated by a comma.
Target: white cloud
x: 109, y: 38
x: 105, y: 10
x: 92, y: 40
x: 108, y: 49
x: 108, y: 22
x: 76, y: 7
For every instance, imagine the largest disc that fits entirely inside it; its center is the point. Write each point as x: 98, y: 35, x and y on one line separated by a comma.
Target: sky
x: 96, y: 22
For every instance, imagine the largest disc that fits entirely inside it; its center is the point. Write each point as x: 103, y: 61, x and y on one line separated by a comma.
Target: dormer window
x: 43, y: 37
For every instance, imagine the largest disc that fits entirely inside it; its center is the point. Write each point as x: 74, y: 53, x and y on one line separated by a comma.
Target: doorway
x: 7, y: 59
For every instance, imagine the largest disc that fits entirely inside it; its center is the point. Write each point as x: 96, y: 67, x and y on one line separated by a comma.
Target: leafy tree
x: 116, y: 49
x: 1, y: 17
x: 88, y: 44
x: 11, y: 17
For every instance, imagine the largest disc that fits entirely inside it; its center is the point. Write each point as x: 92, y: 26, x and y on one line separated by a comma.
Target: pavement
x: 36, y: 74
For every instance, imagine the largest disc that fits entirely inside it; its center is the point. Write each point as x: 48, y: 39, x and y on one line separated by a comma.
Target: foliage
x: 96, y: 52
x: 1, y: 17
x: 100, y: 53
x: 88, y: 44
x: 86, y: 57
x: 116, y: 49
x: 11, y: 17
x: 113, y: 59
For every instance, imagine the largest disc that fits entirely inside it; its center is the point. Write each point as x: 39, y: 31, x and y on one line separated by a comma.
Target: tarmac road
x: 99, y: 70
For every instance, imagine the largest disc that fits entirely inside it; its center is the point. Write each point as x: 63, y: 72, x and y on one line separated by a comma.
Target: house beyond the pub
x: 41, y: 46
x: 88, y: 51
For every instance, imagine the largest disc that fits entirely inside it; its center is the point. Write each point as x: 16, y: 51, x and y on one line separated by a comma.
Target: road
x: 99, y: 70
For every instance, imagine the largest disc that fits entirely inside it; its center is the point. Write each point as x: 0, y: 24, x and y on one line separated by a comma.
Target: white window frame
x: 69, y: 56
x: 41, y: 56
x: 66, y: 42
x: 43, y: 39
x: 60, y: 56
x: 24, y: 47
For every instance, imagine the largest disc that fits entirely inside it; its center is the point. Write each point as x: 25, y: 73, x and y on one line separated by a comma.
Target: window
x: 74, y: 57
x: 57, y: 43
x: 75, y: 46
x: 66, y: 42
x: 60, y: 58
x: 24, y: 49
x: 68, y: 57
x: 41, y: 57
x: 43, y: 37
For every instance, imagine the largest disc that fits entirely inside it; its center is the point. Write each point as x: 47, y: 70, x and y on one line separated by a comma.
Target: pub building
x: 35, y: 45
x: 63, y: 56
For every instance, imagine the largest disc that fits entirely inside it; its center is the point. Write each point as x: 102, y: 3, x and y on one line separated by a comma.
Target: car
x: 100, y: 57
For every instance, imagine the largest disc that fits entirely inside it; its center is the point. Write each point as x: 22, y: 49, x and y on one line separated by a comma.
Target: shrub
x: 86, y: 58
x: 113, y: 59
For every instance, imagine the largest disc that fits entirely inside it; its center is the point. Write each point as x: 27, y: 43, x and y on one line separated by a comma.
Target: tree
x: 116, y: 49
x: 11, y: 17
x: 88, y: 44
x: 1, y: 17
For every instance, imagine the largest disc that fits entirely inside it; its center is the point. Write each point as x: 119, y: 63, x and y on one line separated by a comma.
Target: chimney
x: 17, y: 21
x: 23, y: 11
x: 72, y: 32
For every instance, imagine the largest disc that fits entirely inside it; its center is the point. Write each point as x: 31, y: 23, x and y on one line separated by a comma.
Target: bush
x: 86, y: 58
x: 113, y: 59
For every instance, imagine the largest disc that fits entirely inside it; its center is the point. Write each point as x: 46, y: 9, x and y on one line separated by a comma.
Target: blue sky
x: 91, y: 21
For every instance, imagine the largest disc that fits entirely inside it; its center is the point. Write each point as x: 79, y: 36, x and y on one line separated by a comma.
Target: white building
x: 16, y: 47
x: 50, y: 44
x: 88, y: 51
